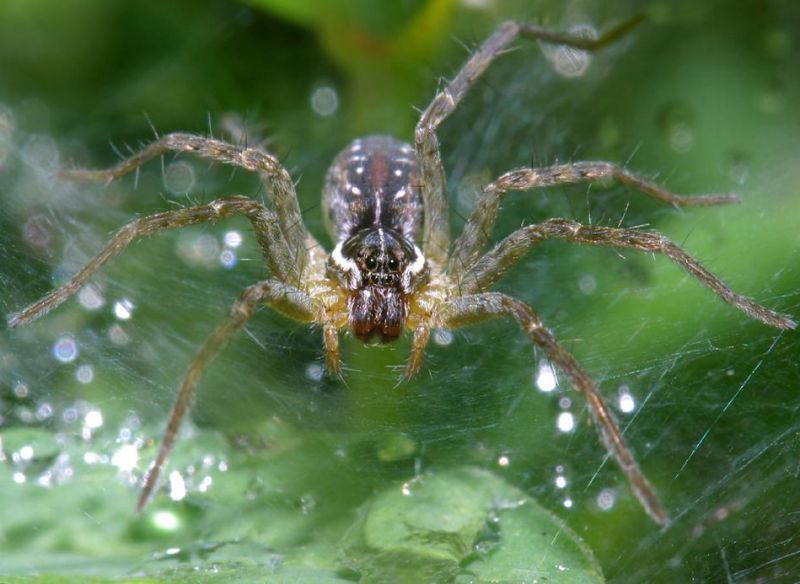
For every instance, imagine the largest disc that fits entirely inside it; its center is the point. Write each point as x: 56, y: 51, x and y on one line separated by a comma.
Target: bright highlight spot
x: 177, y: 486
x: 561, y: 481
x: 566, y: 422
x: 165, y: 520
x: 65, y: 350
x: 324, y: 101
x: 93, y: 419
x: 126, y: 458
x: 546, y: 377
x: 626, y: 402
x: 123, y: 309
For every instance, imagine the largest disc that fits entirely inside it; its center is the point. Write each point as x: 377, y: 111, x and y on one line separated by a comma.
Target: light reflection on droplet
x: 126, y: 457
x: 65, y: 349
x: 26, y: 452
x: 165, y: 520
x: 569, y: 61
x: 205, y: 484
x: 90, y: 297
x: 406, y: 489
x: 177, y: 486
x: 626, y: 401
x: 324, y: 101
x: 85, y: 374
x: 676, y: 122
x: 566, y: 422
x: 442, y: 337
x: 117, y: 335
x: 561, y: 481
x: 93, y: 419
x: 44, y: 412
x: 123, y: 309
x: 565, y: 402
x: 20, y: 390
x: 179, y: 177
x: 70, y: 415
x: 232, y: 239
x: 568, y: 503
x: 18, y: 477
x: 198, y: 249
x: 228, y: 258
x: 38, y: 230
x: 606, y: 499
x: 314, y: 371
x: 587, y: 284
x: 546, y: 377
x: 504, y: 460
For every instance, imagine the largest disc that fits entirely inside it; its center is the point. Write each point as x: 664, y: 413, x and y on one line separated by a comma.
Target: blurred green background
x: 284, y: 474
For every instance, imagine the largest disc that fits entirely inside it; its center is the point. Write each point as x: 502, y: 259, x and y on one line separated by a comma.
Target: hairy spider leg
x: 469, y: 245
x: 469, y: 310
x: 436, y: 230
x: 280, y: 190
x: 276, y: 252
x: 284, y: 298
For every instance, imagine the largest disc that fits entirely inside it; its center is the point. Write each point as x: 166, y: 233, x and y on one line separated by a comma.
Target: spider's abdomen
x: 373, y: 183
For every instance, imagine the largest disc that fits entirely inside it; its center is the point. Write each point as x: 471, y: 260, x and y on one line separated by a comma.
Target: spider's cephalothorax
x: 381, y: 195
x: 374, y: 212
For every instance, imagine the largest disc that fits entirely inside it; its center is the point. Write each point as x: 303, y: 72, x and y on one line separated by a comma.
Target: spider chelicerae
x: 382, y: 197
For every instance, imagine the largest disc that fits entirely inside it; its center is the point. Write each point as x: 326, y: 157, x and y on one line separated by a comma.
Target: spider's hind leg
x: 286, y: 299
x: 469, y: 310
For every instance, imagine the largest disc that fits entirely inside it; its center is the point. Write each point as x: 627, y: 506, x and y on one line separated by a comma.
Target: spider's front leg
x: 469, y: 310
x: 285, y: 298
x: 473, y: 238
x: 276, y: 252
x: 280, y: 186
x: 436, y: 231
x: 508, y: 252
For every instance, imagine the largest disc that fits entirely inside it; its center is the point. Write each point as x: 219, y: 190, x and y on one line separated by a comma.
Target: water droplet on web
x: 65, y: 349
x: 626, y: 401
x: 123, y: 309
x: 324, y: 101
x: 569, y: 61
x: 677, y: 126
x: 232, y: 239
x: 85, y: 374
x: 228, y: 258
x: 546, y: 379
x: 91, y: 297
x: 606, y: 499
x: 179, y: 177
x: 38, y: 231
x: 587, y: 284
x: 442, y: 337
x: 565, y: 422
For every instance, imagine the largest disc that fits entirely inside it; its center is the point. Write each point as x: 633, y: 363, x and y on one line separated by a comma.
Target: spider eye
x: 371, y: 263
x: 394, y: 264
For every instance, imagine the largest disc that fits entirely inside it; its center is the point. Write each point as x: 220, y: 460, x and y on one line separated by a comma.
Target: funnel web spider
x: 381, y: 196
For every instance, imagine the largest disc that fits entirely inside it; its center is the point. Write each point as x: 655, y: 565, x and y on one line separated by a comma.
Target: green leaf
x: 469, y: 525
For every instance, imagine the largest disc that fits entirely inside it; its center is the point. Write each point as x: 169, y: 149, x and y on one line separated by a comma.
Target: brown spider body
x: 382, y: 196
x: 374, y: 210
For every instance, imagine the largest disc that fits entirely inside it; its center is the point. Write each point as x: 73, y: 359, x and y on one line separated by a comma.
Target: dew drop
x: 568, y: 61
x: 65, y: 349
x: 179, y: 177
x: 324, y: 101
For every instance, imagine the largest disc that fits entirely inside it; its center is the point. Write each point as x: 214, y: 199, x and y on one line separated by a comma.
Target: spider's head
x: 380, y: 268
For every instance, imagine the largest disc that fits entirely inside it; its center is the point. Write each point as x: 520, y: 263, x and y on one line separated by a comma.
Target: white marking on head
x: 360, y: 170
x: 346, y: 265
x: 378, y: 201
x: 400, y: 194
x: 398, y: 172
x: 413, y: 269
x: 356, y: 146
x: 355, y: 190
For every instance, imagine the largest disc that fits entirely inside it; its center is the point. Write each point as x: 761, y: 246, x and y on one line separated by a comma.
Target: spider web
x: 707, y: 398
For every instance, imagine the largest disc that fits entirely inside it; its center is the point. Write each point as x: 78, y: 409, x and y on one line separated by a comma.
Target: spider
x: 383, y: 197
